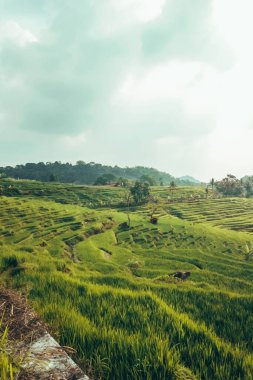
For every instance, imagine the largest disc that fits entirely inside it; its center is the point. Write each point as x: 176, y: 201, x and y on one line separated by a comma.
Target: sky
x: 165, y: 84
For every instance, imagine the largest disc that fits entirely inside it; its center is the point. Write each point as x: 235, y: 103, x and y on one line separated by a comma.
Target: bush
x: 134, y: 265
x: 9, y: 262
x: 124, y: 226
x: 27, y: 249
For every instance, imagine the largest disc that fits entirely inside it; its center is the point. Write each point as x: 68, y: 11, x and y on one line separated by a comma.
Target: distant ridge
x: 189, y: 179
x: 87, y: 173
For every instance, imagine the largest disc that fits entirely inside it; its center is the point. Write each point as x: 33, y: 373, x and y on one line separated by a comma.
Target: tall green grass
x: 8, y: 365
x: 109, y: 292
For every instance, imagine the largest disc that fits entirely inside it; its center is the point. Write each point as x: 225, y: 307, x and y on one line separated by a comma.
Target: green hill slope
x: 109, y: 291
x: 87, y: 173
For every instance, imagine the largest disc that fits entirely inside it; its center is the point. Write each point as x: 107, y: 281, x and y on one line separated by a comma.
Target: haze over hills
x: 189, y: 179
x: 87, y: 173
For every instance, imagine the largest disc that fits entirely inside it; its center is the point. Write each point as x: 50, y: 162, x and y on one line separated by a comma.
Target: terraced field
x: 108, y: 291
x: 90, y: 196
x: 233, y: 213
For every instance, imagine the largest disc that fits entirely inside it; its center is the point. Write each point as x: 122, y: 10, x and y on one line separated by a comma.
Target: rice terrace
x: 160, y: 289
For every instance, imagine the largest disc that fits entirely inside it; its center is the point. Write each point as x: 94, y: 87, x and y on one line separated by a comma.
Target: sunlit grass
x: 109, y: 292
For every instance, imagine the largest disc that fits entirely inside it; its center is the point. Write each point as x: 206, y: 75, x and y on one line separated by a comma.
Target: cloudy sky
x: 164, y: 83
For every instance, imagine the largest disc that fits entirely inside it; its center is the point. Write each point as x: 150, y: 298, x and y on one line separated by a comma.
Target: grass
x: 108, y: 291
x: 231, y: 213
x: 8, y: 364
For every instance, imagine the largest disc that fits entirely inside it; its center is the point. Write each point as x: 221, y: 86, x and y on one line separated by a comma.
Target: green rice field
x: 108, y: 290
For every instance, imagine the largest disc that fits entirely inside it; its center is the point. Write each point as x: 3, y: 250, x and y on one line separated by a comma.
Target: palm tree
x: 172, y: 187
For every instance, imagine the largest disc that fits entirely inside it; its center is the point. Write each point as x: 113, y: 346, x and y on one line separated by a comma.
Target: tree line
x: 233, y: 187
x: 87, y: 173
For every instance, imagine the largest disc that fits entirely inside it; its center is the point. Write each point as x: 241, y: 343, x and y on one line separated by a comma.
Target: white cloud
x: 233, y: 19
x: 12, y: 31
x: 202, y: 89
x: 114, y: 16
x: 176, y: 95
x: 142, y: 10
x: 148, y: 10
x: 167, y: 141
x: 74, y: 142
x: 192, y: 83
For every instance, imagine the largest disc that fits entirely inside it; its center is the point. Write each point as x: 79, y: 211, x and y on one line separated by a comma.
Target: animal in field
x: 181, y: 275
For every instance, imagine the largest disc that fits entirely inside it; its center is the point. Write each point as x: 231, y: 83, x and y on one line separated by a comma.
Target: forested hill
x: 85, y: 173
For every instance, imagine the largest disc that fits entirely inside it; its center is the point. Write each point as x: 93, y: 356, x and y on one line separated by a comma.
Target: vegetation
x: 87, y: 173
x: 8, y: 365
x: 229, y: 186
x: 105, y: 179
x: 140, y: 192
x: 149, y: 180
x: 247, y: 182
x: 109, y: 291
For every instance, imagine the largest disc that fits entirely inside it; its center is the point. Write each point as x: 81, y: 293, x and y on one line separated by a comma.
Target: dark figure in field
x: 154, y: 220
x: 181, y: 275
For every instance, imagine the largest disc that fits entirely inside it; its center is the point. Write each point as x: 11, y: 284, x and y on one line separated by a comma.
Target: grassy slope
x: 107, y: 290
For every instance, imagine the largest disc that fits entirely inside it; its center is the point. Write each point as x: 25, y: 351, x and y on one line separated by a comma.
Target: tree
x: 154, y: 206
x: 229, y: 186
x: 52, y: 178
x: 172, y: 187
x: 148, y: 179
x: 3, y: 175
x: 80, y: 163
x: 206, y: 190
x: 212, y: 183
x: 105, y: 179
x: 140, y: 192
x: 128, y: 197
x: 123, y: 182
x: 248, y: 186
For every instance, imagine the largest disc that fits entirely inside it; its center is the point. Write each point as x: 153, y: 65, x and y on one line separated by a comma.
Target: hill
x: 187, y: 178
x: 85, y: 173
x: 109, y: 291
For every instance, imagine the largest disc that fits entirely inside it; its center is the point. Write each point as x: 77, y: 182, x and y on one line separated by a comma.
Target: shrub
x: 9, y: 262
x: 27, y: 249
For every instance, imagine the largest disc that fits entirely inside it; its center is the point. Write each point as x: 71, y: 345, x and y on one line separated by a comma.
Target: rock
x: 46, y: 359
x: 42, y: 358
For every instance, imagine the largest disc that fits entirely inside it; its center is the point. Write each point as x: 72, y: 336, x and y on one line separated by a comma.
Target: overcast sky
x: 164, y: 83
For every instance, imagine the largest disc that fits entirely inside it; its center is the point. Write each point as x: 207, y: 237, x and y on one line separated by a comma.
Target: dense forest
x: 86, y: 173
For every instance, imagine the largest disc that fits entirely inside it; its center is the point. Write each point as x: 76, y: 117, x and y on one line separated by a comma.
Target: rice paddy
x: 108, y: 291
